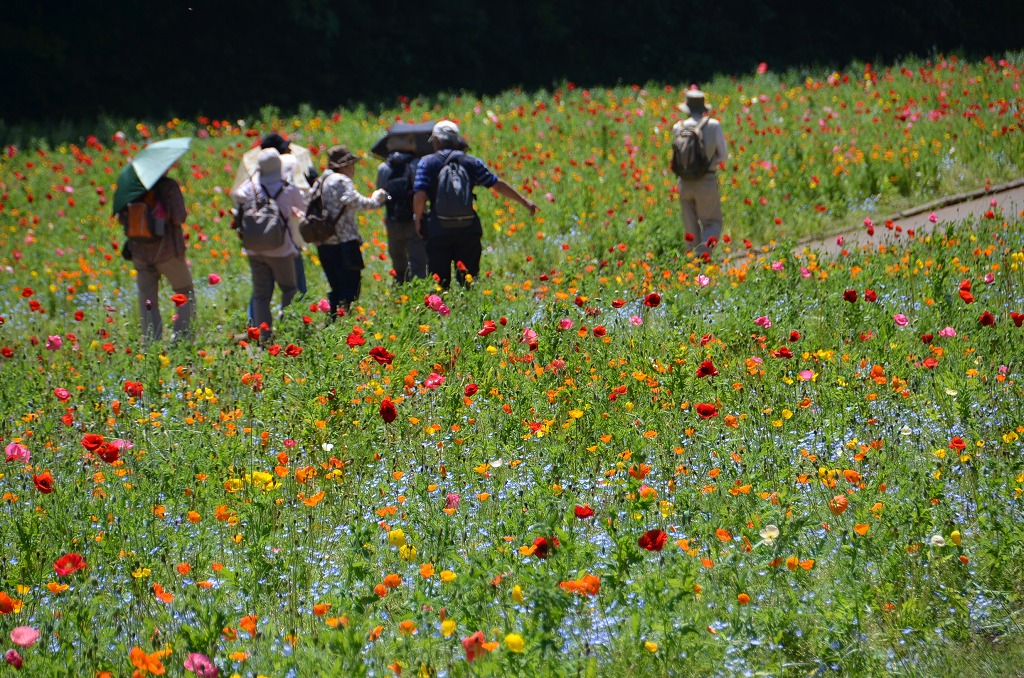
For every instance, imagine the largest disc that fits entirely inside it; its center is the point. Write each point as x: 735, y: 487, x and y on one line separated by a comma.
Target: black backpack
x: 399, y: 187
x: 689, y: 161
x: 453, y: 204
x: 317, y: 226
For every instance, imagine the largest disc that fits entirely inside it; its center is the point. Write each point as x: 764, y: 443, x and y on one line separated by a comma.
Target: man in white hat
x: 452, y: 227
x: 698, y: 194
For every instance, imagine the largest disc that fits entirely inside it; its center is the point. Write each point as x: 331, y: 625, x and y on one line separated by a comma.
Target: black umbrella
x: 411, y: 137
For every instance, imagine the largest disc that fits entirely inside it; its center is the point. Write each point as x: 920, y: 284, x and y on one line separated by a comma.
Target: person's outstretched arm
x: 512, y: 194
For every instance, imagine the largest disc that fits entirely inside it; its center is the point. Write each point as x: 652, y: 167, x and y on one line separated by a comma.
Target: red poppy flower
x: 488, y: 327
x: 870, y: 295
x: 1018, y: 318
x: 133, y: 388
x: 707, y: 369
x: 653, y: 540
x: 986, y: 319
x: 108, y: 452
x: 967, y: 297
x: 253, y: 333
x: 381, y: 355
x: 388, y: 411
x: 542, y: 548
x: 179, y: 300
x: 618, y: 303
x: 782, y: 352
x: 475, y: 646
x: 43, y: 482
x: 850, y: 296
x: 79, y: 315
x: 292, y: 351
x: 471, y: 390
x: 354, y: 340
x: 274, y: 350
x: 600, y: 331
x: 707, y: 410
x: 706, y: 339
x: 652, y: 300
x: 92, y: 441
x: 957, y: 443
x: 794, y: 336
x: 965, y: 285
x: 583, y: 511
x: 926, y: 338
x: 68, y: 564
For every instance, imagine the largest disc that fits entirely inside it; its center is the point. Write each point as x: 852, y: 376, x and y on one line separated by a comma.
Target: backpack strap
x: 454, y: 155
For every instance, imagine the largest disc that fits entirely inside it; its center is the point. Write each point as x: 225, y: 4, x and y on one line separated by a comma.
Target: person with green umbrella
x: 145, y: 182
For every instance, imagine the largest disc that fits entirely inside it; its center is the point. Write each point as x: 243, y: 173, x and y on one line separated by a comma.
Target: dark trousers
x: 342, y: 264
x: 461, y: 250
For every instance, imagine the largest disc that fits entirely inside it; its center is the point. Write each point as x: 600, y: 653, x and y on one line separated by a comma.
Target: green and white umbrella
x: 146, y: 168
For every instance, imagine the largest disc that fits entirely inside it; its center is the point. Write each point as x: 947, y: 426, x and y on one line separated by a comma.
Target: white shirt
x: 714, y: 140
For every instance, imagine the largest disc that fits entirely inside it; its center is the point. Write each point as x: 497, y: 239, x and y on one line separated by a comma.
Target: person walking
x: 396, y: 175
x: 698, y: 190
x: 302, y: 175
x: 446, y: 178
x: 340, y: 255
x: 163, y: 257
x: 277, y: 264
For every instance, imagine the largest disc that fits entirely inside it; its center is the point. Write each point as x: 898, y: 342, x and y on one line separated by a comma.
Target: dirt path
x: 922, y: 219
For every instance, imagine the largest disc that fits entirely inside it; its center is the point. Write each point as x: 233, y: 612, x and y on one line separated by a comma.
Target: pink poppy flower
x: 323, y: 306
x: 636, y: 320
x: 451, y: 501
x: 529, y: 336
x: 763, y: 321
x: 933, y: 218
x: 434, y: 380
x: 436, y: 304
x: 122, y: 444
x: 703, y: 280
x: 900, y: 319
x: 947, y: 332
x: 201, y: 665
x: 778, y: 265
x: 54, y: 342
x: 805, y: 272
x: 807, y: 375
x: 24, y: 636
x: 14, y: 659
x: 18, y: 452
x: 213, y: 279
x: 565, y: 324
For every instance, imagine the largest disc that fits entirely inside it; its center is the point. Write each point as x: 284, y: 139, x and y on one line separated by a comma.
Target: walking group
x: 283, y: 205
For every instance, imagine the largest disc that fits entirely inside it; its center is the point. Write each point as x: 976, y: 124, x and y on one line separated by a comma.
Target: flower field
x: 606, y: 457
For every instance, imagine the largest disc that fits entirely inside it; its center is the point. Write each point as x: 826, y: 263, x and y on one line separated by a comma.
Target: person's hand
x: 299, y: 214
x: 418, y: 223
x: 380, y: 196
x: 532, y: 206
